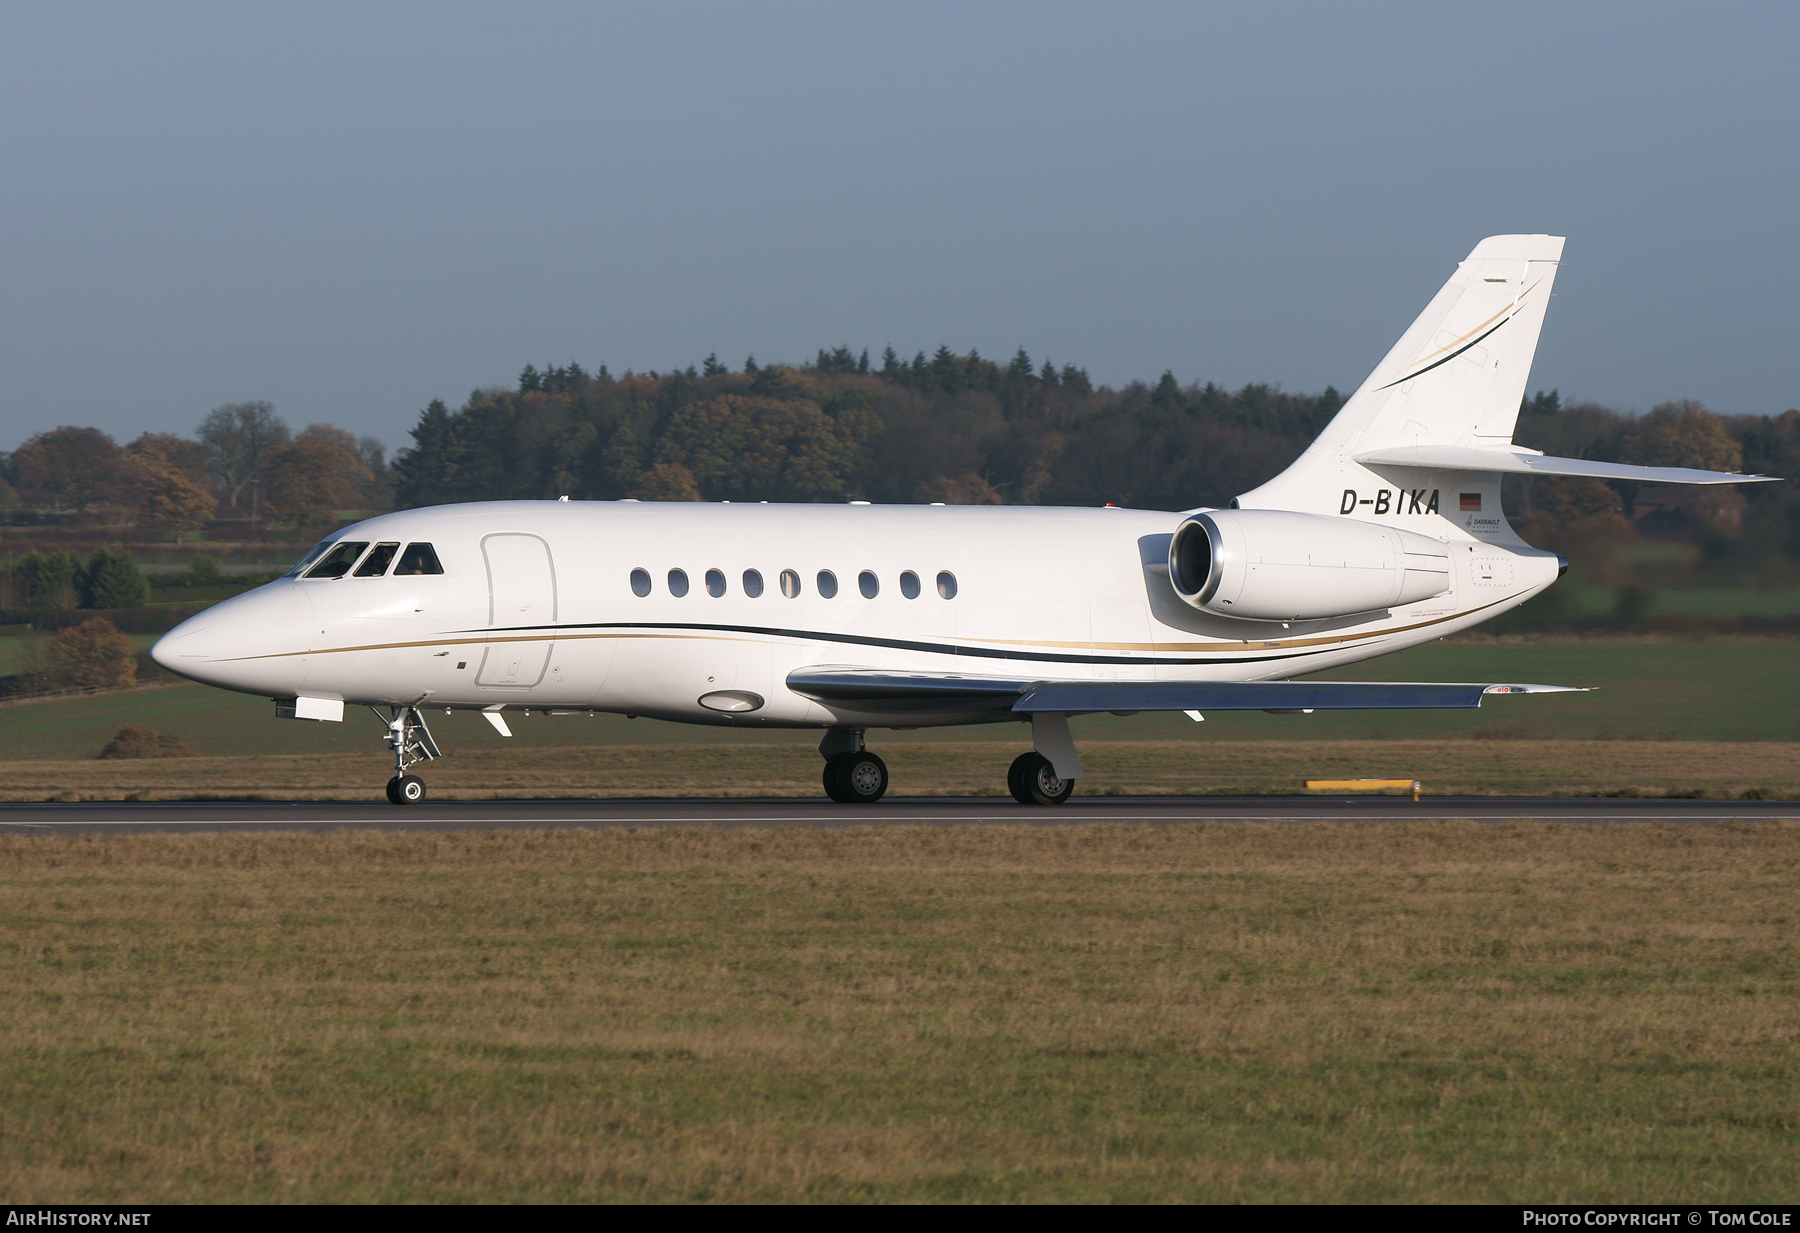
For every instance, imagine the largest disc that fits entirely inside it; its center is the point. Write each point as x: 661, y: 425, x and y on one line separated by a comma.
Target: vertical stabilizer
x: 1456, y: 377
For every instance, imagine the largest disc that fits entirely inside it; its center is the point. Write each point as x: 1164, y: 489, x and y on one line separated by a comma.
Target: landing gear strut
x: 853, y: 775
x: 411, y: 742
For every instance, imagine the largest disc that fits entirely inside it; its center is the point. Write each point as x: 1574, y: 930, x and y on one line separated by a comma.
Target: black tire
x: 393, y: 791
x: 407, y: 790
x: 1033, y: 781
x: 1015, y: 778
x: 862, y: 778
x: 834, y: 779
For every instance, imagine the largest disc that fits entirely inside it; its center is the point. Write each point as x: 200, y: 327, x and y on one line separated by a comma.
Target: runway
x: 124, y: 817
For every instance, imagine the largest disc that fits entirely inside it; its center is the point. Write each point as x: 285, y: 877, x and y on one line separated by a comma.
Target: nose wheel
x: 411, y: 742
x: 405, y: 790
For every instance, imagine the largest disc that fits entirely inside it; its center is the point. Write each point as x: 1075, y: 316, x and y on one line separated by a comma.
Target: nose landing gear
x: 405, y: 790
x: 411, y: 742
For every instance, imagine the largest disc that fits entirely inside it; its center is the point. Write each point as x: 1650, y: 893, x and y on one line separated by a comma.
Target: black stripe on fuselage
x: 898, y: 644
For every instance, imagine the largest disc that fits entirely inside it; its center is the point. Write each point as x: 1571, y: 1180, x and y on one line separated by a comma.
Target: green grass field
x: 1593, y: 601
x: 1429, y: 1013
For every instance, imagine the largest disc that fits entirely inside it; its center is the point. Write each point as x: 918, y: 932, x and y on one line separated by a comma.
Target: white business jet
x: 1385, y: 533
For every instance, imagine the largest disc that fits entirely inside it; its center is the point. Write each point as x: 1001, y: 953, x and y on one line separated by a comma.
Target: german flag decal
x: 1469, y: 502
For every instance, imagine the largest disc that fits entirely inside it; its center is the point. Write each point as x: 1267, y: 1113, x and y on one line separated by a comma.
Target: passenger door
x: 521, y: 611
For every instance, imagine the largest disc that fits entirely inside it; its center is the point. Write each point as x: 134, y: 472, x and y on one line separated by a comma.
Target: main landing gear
x: 411, y: 742
x: 854, y: 776
x: 1033, y: 781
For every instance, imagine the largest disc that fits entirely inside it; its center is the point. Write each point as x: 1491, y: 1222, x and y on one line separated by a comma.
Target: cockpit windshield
x: 338, y: 561
x: 418, y: 559
x: 375, y: 564
x: 334, y: 559
x: 317, y: 551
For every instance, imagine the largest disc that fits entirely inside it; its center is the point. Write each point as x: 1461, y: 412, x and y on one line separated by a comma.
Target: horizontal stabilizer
x: 917, y: 693
x: 1465, y: 458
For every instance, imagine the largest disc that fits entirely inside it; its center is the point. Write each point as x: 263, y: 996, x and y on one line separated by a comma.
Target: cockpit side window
x: 375, y: 564
x: 338, y: 561
x: 318, y: 550
x: 418, y: 559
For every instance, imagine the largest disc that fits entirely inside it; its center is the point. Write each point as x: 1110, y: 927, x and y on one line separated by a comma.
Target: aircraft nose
x: 184, y: 640
x: 256, y: 642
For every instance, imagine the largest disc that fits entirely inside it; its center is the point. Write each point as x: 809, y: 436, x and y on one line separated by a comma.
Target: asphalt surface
x: 120, y: 817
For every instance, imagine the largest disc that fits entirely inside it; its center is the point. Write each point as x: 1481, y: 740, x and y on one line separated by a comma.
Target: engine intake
x: 1275, y: 565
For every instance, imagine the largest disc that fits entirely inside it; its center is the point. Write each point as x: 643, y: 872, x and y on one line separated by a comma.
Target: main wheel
x: 406, y: 790
x: 855, y: 778
x: 1033, y: 781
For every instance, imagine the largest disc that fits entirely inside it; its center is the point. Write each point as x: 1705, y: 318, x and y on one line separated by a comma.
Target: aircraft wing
x: 1518, y: 462
x: 869, y: 689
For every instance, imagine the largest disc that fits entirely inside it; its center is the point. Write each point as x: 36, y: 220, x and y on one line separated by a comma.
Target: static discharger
x: 1366, y: 785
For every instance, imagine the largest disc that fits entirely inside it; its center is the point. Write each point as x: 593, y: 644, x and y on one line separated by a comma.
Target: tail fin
x: 1455, y: 378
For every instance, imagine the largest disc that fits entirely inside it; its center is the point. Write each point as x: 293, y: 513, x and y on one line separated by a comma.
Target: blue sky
x: 351, y: 209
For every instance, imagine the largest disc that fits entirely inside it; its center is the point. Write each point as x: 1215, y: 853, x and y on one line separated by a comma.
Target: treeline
x: 961, y: 428
x: 1645, y: 537
x: 946, y: 427
x: 957, y: 428
x: 243, y: 461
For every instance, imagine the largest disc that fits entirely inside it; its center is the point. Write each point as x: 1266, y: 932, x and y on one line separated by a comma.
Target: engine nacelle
x: 1275, y: 565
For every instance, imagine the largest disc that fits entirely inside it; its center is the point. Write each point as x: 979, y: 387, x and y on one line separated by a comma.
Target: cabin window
x: 790, y: 584
x: 827, y: 582
x: 338, y: 561
x: 752, y: 584
x: 375, y: 564
x: 318, y: 550
x: 678, y: 585
x: 868, y: 584
x: 640, y: 582
x: 418, y: 559
x: 946, y: 584
x: 715, y: 582
x: 909, y: 585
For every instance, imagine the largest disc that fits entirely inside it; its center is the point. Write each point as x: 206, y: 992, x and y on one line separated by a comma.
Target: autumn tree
x: 238, y: 438
x: 1682, y: 434
x: 666, y: 481
x: 94, y: 654
x: 137, y: 741
x: 178, y: 453
x: 69, y: 468
x: 965, y: 489
x: 168, y: 500
x: 313, y: 476
x: 169, y: 477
